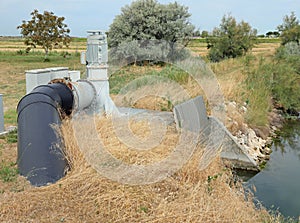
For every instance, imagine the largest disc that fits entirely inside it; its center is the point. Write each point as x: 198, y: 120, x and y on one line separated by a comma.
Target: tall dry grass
x: 83, y: 195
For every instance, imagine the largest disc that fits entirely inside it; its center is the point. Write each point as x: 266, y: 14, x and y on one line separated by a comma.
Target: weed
x: 12, y: 137
x: 210, y: 179
x: 258, y: 91
x: 8, y: 172
x: 262, y: 165
x: 144, y: 209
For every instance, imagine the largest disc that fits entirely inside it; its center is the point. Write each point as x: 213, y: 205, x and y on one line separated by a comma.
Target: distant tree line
x: 147, y: 20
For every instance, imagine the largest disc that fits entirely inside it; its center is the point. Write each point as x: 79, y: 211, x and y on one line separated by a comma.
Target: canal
x: 277, y: 186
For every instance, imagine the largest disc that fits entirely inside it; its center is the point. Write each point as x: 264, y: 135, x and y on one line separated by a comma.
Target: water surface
x: 278, y: 185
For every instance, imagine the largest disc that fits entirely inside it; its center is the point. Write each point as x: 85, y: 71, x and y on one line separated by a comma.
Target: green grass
x: 258, y: 91
x: 128, y: 74
x: 12, y: 137
x: 268, y: 40
x: 10, y: 117
x: 8, y: 172
x: 37, y: 57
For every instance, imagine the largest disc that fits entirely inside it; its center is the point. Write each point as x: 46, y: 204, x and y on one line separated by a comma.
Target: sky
x: 83, y: 15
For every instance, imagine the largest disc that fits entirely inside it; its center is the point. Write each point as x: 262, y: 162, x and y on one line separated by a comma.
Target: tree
x: 230, y: 39
x: 150, y: 20
x: 204, y: 34
x: 272, y: 34
x: 197, y: 33
x: 289, y: 29
x: 46, y: 30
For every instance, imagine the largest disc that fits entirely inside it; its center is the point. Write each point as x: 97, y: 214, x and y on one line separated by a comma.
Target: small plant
x: 8, y: 172
x: 20, y: 52
x: 12, y: 137
x: 144, y: 209
x: 210, y: 179
x: 65, y: 54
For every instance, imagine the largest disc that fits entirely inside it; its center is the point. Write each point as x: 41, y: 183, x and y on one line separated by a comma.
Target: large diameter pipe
x: 40, y: 158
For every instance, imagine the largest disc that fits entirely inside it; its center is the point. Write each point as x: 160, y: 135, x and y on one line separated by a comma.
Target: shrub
x: 230, y: 40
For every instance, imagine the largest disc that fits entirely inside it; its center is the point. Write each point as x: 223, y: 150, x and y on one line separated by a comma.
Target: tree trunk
x: 46, y: 54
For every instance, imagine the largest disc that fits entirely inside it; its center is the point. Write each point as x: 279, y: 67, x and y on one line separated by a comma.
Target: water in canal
x: 278, y: 185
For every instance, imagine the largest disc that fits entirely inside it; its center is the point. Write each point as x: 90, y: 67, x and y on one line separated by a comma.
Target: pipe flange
x: 93, y: 104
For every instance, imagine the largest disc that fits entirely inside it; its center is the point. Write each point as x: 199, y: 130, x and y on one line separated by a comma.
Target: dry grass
x: 16, y: 44
x: 83, y: 195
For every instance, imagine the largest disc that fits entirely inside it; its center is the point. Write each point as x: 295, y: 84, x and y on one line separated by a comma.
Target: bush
x: 230, y: 40
x: 292, y: 48
x: 147, y: 29
x: 289, y: 29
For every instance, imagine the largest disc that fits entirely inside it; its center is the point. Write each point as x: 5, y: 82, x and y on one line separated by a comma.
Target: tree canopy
x: 289, y: 29
x: 230, y: 39
x: 150, y: 20
x: 46, y: 30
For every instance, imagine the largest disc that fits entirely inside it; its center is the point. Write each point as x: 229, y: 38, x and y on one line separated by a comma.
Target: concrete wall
x: 191, y: 116
x: 38, y: 77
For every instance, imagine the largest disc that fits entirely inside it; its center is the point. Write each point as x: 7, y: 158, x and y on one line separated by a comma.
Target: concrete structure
x: 214, y: 136
x: 38, y: 77
x: 191, y: 115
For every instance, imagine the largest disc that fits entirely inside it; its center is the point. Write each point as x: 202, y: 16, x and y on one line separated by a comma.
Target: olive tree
x: 46, y: 30
x: 289, y: 29
x: 231, y: 39
x: 145, y: 20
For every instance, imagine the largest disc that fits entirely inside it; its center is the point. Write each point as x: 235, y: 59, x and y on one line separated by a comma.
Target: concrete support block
x: 74, y: 75
x: 191, y: 115
x: 38, y: 77
x: 59, y: 72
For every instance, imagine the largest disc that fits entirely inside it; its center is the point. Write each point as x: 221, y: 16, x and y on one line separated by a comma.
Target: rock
x: 243, y: 109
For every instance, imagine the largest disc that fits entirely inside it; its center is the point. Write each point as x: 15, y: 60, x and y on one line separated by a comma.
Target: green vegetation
x: 146, y: 27
x: 267, y: 40
x: 148, y: 19
x: 258, y: 90
x: 268, y: 82
x: 12, y: 137
x: 127, y: 74
x: 10, y: 117
x: 230, y: 40
x: 289, y: 29
x: 46, y: 30
x: 8, y: 172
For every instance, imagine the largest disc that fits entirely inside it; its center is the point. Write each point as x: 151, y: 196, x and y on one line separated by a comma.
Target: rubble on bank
x: 257, y: 141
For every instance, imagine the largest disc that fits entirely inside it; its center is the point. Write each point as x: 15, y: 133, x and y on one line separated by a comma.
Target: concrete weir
x: 191, y: 115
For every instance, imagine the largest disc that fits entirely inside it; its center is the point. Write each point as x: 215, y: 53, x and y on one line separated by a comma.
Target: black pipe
x: 40, y: 158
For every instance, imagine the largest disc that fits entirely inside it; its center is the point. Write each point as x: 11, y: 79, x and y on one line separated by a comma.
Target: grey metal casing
x: 96, y: 53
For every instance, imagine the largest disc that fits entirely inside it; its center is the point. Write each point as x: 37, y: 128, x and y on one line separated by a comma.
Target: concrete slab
x: 142, y: 114
x: 231, y: 150
x: 191, y: 115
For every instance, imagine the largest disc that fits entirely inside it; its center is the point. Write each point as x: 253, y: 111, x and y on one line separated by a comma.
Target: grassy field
x: 83, y: 196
